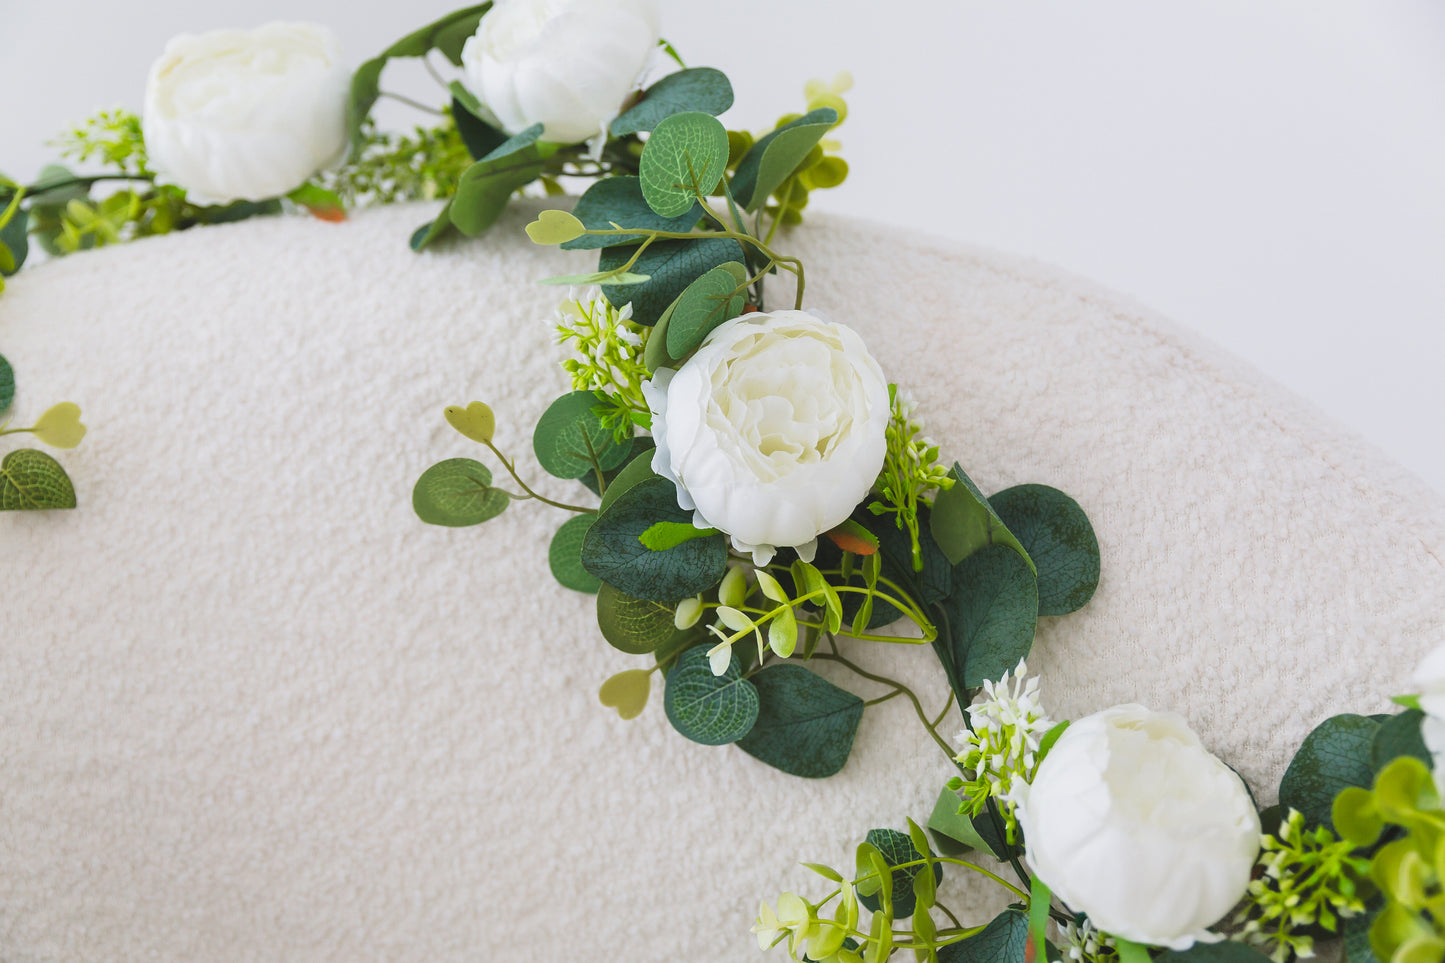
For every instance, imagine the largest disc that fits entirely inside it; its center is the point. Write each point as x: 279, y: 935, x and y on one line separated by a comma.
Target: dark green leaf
x: 570, y: 439
x: 236, y: 211
x: 448, y: 35
x: 31, y: 481
x: 711, y: 709
x: 13, y: 236
x: 1056, y: 535
x: 671, y: 267
x: 614, y: 553
x: 1398, y: 736
x: 485, y: 187
x: 1357, y: 937
x: 457, y: 492
x: 619, y: 200
x: 638, y: 468
x: 7, y: 384
x: 1001, y: 941
x: 1225, y: 952
x: 992, y: 614
x: 806, y: 725
x: 772, y: 159
x: 434, y: 229
x: 1335, y: 755
x: 934, y: 582
x: 565, y: 555
x: 897, y: 848
x: 699, y: 89
x: 480, y: 137
x: 963, y: 522
x: 634, y: 626
x: 717, y: 296
x: 683, y: 159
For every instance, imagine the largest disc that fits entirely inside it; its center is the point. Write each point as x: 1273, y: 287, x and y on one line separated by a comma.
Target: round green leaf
x: 897, y: 848
x: 32, y: 481
x: 700, y: 88
x: 715, y: 297
x: 684, y: 158
x: 670, y: 266
x: 1335, y: 755
x: 627, y: 692
x: 613, y: 552
x: 7, y: 384
x: 634, y: 626
x: 1001, y: 941
x: 570, y: 438
x: 806, y: 725
x: 992, y: 614
x: 711, y: 709
x: 457, y: 492
x: 565, y: 555
x: 1056, y: 534
x: 1400, y: 735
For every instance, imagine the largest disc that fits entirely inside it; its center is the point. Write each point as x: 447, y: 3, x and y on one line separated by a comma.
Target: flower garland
x: 763, y: 497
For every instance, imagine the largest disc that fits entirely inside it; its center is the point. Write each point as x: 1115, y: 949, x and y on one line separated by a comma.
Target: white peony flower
x: 773, y: 430
x: 1131, y: 821
x: 1430, y: 677
x: 246, y: 114
x: 568, y: 64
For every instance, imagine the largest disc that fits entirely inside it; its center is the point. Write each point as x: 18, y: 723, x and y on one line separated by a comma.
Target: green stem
x: 790, y: 263
x: 87, y: 180
x: 952, y: 861
x: 12, y: 207
x: 418, y: 105
x: 511, y: 470
x: 884, y: 680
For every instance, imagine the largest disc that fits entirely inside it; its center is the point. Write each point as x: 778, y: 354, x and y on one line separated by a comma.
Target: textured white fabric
x: 252, y: 709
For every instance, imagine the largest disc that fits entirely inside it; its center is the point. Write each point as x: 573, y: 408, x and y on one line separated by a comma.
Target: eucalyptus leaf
x: 571, y: 439
x: 1001, y: 941
x: 438, y: 227
x: 1227, y: 951
x: 699, y: 89
x: 806, y: 725
x: 59, y: 426
x: 1057, y: 537
x: 948, y: 822
x: 670, y: 267
x: 554, y: 227
x: 614, y: 553
x: 33, y: 481
x: 626, y: 278
x: 619, y: 201
x: 447, y: 35
x: 456, y: 493
x: 897, y: 848
x: 7, y: 384
x: 638, y: 468
x: 480, y: 137
x: 476, y: 421
x: 1335, y: 755
x: 564, y: 555
x: 774, y: 158
x: 683, y: 159
x: 713, y: 710
x: 1400, y: 735
x: 992, y: 615
x: 717, y: 296
x: 485, y: 187
x: 963, y: 522
x: 627, y: 692
x: 15, y: 238
x: 631, y: 625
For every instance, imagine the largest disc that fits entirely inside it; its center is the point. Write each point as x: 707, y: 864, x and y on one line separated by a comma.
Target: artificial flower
x: 774, y: 430
x: 246, y: 114
x: 566, y: 64
x: 1131, y: 821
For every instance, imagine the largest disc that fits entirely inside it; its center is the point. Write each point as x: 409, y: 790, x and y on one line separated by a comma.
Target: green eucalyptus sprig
x: 31, y: 480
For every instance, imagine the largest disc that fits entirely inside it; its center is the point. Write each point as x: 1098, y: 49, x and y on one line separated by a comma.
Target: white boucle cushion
x: 253, y: 709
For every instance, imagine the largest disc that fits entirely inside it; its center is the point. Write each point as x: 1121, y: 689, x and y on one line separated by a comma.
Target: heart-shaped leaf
x: 60, y: 426
x: 711, y: 709
x: 627, y: 692
x: 31, y: 480
x: 476, y: 421
x: 619, y: 200
x: 555, y: 227
x: 457, y: 492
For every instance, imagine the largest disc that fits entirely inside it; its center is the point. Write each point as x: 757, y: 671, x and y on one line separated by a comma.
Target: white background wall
x: 1268, y: 172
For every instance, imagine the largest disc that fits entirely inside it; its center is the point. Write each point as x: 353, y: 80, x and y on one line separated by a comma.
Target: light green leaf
x: 33, y: 481
x: 896, y: 848
x: 627, y: 692
x: 555, y: 227
x: 699, y: 89
x: 7, y: 384
x: 783, y: 633
x: 806, y: 725
x: 710, y: 709
x: 570, y: 435
x: 717, y: 296
x: 946, y: 821
x: 992, y: 614
x: 614, y: 553
x: 475, y: 421
x: 963, y: 521
x: 774, y: 158
x: 59, y: 426
x: 770, y: 586
x: 665, y: 535
x: 15, y: 239
x: 457, y: 492
x: 631, y: 625
x: 618, y: 201
x: 1057, y: 537
x: 670, y: 267
x: 564, y: 555
x: 683, y: 159
x: 597, y: 277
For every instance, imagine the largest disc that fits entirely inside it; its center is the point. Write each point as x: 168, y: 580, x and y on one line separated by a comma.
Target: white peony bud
x: 1131, y: 821
x: 567, y: 64
x: 246, y: 114
x: 774, y: 430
